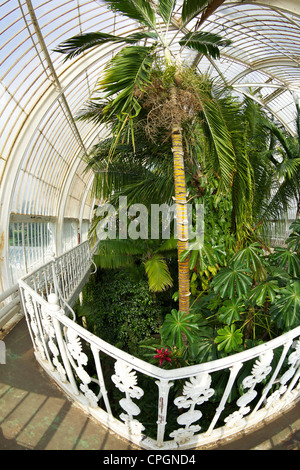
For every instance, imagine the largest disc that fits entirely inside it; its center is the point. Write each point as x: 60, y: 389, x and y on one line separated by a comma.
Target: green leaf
x: 284, y: 258
x: 139, y: 10
x: 203, y: 348
x: 193, y: 259
x: 295, y: 226
x: 288, y: 168
x: 158, y: 273
x: 113, y: 254
x: 251, y: 256
x: 264, y: 292
x: 76, y: 45
x: 206, y: 254
x: 206, y: 43
x: 191, y: 8
x: 229, y: 339
x: 127, y: 72
x: 166, y: 8
x: 293, y: 241
x: 286, y: 310
x: 281, y: 276
x: 232, y: 281
x: 220, y: 138
x: 231, y: 311
x: 176, y: 324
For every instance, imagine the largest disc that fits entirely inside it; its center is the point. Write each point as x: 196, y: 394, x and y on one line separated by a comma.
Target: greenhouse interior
x: 150, y: 225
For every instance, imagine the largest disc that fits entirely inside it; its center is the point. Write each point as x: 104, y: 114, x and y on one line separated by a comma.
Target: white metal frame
x: 40, y: 94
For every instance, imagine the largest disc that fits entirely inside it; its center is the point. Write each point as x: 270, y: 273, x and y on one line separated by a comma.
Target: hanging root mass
x: 166, y: 110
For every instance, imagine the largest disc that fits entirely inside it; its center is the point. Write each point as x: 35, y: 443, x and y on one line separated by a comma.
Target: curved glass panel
x: 42, y: 145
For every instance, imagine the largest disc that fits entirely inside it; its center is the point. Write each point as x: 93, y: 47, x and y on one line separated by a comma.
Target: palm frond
x: 158, y: 274
x: 206, y: 43
x: 243, y: 194
x: 126, y: 75
x: 220, y: 138
x: 92, y: 111
x: 275, y: 208
x: 280, y: 136
x: 112, y: 254
x: 154, y: 189
x: 143, y: 174
x: 139, y: 10
x: 288, y: 168
x: 168, y: 245
x: 190, y: 9
x: 166, y: 8
x: 76, y: 45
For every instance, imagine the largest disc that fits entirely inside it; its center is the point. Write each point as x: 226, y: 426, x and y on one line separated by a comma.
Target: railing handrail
x: 182, y: 372
x: 53, y: 259
x: 48, y: 323
x: 167, y: 374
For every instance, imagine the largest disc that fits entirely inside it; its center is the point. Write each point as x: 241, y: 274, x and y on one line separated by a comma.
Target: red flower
x: 163, y: 355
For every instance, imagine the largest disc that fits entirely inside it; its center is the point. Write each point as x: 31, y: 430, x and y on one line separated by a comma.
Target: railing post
x: 58, y: 340
x: 55, y: 281
x: 55, y: 309
x: 233, y: 373
x: 103, y: 390
x: 274, y: 376
x: 163, y: 396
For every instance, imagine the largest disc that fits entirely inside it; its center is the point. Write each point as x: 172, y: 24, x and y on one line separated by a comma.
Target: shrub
x: 120, y: 309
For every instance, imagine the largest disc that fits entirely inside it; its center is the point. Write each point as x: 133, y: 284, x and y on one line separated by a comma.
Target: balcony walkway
x: 36, y: 415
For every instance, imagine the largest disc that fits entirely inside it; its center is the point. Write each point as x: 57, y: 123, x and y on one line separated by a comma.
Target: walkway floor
x: 35, y: 414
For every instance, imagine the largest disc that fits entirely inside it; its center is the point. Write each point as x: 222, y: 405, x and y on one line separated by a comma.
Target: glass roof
x: 41, y: 146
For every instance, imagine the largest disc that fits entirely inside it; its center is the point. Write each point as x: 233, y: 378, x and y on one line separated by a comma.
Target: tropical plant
x: 286, y: 310
x: 229, y: 338
x: 293, y: 240
x: 141, y: 176
x: 231, y: 310
x: 233, y: 280
x: 284, y: 258
x: 118, y: 307
x: 265, y: 292
x: 167, y: 94
x: 142, y: 173
x: 268, y: 157
x: 151, y: 255
x: 279, y: 170
x: 178, y: 324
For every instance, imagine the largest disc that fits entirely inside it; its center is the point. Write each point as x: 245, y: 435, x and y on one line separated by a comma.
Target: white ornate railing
x: 64, y: 275
x: 193, y: 406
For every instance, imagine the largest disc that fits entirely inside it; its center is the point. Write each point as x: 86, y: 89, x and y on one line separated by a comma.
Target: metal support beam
x: 291, y: 6
x: 55, y: 78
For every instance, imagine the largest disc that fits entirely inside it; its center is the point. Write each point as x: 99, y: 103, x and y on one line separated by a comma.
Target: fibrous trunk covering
x: 181, y: 218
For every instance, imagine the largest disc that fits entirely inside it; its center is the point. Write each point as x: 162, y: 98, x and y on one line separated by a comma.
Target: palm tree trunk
x: 181, y: 218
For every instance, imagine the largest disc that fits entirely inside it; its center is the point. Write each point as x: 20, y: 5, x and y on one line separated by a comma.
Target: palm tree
x: 133, y: 83
x: 284, y: 156
x: 142, y: 173
x: 274, y: 155
x: 141, y: 176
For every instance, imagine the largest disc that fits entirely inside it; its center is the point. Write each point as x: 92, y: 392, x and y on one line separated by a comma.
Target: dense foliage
x: 118, y: 307
x: 166, y: 118
x: 239, y: 299
x: 234, y: 160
